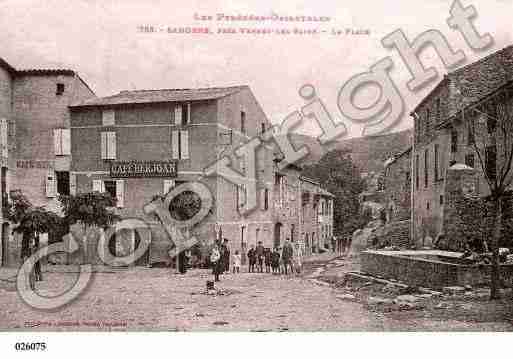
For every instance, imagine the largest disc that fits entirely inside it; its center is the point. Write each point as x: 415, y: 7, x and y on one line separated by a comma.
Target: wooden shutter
x: 178, y: 115
x: 4, y: 137
x: 120, y: 193
x: 72, y: 184
x: 57, y: 141
x: 66, y: 141
x: 168, y: 185
x: 51, y: 184
x: 184, y: 145
x: 111, y: 145
x: 108, y: 118
x: 104, y: 145
x: 175, y: 144
x: 98, y: 186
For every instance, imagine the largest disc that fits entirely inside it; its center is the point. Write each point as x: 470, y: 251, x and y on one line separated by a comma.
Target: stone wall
x: 426, y: 272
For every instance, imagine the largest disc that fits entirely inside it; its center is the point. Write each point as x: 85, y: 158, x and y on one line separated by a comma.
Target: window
x: 491, y: 119
x: 241, y: 196
x: 491, y: 162
x: 262, y: 129
x: 426, y: 171
x: 168, y: 185
x: 4, y: 137
x: 266, y: 199
x: 3, y: 188
x: 243, y: 122
x: 441, y: 199
x: 436, y: 162
x: 115, y: 188
x: 470, y: 135
x: 60, y: 89
x: 108, y: 145
x: 454, y: 141
x: 62, y: 141
x: 182, y: 114
x: 63, y: 182
x: 417, y: 172
x: 51, y: 188
x: 428, y: 121
x: 438, y: 111
x: 469, y: 160
x: 427, y: 206
x: 180, y: 144
x: 108, y: 118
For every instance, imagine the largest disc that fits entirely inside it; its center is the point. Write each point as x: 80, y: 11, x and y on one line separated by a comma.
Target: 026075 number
x: 30, y: 346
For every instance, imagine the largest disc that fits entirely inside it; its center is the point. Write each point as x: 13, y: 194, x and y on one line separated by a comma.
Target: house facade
x: 35, y: 136
x: 443, y: 139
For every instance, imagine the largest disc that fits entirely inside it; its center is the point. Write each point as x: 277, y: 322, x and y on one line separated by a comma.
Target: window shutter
x: 263, y: 199
x: 189, y: 113
x: 104, y: 145
x: 51, y: 185
x: 111, y: 145
x: 184, y: 144
x: 178, y: 115
x: 108, y: 118
x: 66, y: 141
x: 98, y: 186
x: 174, y: 144
x: 168, y: 185
x: 4, y: 137
x: 73, y: 184
x: 57, y: 141
x: 120, y: 193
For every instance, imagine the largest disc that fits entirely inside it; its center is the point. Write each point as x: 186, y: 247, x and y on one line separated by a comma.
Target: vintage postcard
x: 255, y: 166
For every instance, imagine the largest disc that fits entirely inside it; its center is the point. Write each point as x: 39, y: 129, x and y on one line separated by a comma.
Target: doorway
x: 277, y: 234
x: 5, y: 244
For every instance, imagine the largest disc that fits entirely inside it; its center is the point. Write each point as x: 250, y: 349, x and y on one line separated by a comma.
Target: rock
x: 425, y: 295
x: 454, y: 290
x: 468, y: 287
x: 442, y: 305
x: 379, y: 301
x: 346, y: 296
x: 407, y: 298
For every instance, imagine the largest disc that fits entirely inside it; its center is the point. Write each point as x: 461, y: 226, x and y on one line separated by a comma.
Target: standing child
x: 236, y: 262
x: 275, y: 261
x: 267, y: 260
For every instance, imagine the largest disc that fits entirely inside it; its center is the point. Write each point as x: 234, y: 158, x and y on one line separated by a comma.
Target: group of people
x: 280, y: 260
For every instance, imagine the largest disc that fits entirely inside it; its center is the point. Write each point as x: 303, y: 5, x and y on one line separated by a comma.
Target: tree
x: 493, y: 143
x: 339, y: 175
x: 30, y: 223
x: 91, y: 210
x: 182, y: 207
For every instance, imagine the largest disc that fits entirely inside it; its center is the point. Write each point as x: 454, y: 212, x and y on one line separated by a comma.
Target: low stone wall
x: 408, y: 267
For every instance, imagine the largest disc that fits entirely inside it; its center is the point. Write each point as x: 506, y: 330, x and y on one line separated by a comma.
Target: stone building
x: 35, y: 137
x: 443, y: 140
x: 397, y: 187
x: 316, y: 216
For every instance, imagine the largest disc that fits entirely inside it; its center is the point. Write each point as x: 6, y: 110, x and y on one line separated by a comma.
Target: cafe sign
x: 132, y: 169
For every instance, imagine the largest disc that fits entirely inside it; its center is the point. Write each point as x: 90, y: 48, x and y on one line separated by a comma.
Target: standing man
x: 252, y: 259
x: 215, y: 259
x: 259, y: 251
x: 225, y: 256
x: 286, y: 255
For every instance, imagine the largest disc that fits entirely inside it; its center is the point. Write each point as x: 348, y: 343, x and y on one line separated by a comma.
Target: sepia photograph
x: 288, y: 168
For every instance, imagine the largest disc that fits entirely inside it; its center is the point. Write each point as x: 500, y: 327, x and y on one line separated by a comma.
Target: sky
x: 101, y: 41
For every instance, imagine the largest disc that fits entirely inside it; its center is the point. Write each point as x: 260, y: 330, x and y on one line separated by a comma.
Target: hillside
x: 368, y: 153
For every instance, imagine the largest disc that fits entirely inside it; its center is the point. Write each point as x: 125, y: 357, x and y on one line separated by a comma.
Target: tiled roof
x: 45, y: 72
x: 163, y: 95
x: 475, y: 81
x: 4, y: 64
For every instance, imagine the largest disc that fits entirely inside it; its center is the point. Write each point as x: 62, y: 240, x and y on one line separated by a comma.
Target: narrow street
x: 159, y: 300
